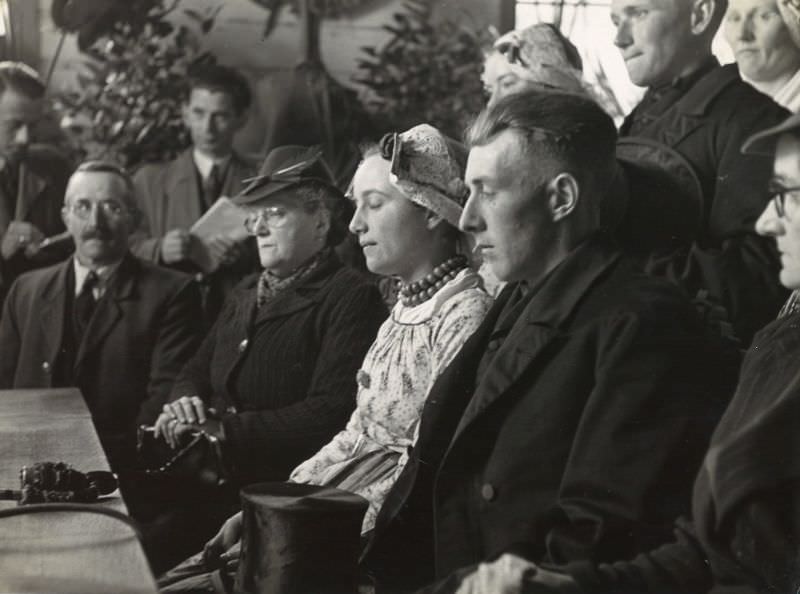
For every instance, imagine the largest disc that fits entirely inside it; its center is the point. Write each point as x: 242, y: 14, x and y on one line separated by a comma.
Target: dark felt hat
x: 286, y: 167
x: 657, y: 200
x: 299, y: 538
x: 763, y: 143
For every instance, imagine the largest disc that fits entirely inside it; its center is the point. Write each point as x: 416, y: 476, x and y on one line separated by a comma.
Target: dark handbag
x: 199, y: 457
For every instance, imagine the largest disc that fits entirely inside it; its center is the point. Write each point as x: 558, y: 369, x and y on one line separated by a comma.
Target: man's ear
x: 323, y: 223
x: 564, y: 192
x: 702, y: 15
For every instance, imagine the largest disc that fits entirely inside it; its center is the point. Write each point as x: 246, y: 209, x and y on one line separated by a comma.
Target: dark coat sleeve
x: 646, y: 423
x: 178, y: 335
x: 275, y: 436
x: 730, y: 260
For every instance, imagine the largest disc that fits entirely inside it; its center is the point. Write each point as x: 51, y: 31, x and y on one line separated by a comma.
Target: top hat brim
x: 665, y: 202
x: 763, y: 143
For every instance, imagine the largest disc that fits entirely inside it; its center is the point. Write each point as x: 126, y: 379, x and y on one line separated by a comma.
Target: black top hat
x: 286, y: 167
x: 664, y: 198
x: 299, y: 538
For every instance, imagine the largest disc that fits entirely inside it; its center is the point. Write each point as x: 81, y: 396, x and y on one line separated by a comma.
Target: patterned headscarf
x: 427, y: 168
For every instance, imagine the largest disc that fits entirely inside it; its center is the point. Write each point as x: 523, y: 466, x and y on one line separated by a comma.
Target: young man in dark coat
x: 114, y: 326
x: 705, y: 112
x: 571, y: 424
x: 745, y: 524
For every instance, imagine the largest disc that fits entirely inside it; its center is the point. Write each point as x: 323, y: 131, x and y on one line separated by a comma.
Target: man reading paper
x: 173, y: 196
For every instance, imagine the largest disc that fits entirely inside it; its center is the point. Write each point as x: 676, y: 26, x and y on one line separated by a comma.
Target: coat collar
x: 106, y: 316
x: 546, y: 314
x: 183, y: 171
x: 698, y: 99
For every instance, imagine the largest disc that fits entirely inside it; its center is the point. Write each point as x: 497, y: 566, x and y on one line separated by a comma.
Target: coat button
x: 46, y: 367
x: 493, y: 345
x: 243, y: 345
x: 488, y: 492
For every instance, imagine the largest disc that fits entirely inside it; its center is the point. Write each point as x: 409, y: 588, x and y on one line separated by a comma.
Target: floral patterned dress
x: 414, y: 345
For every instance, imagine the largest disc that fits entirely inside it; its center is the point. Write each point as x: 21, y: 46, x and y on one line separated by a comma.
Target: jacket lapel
x: 542, y: 319
x: 236, y: 172
x: 51, y: 314
x: 181, y: 191
x: 109, y: 309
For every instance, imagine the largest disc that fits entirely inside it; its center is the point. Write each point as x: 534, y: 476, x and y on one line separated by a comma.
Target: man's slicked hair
x: 103, y: 166
x: 567, y: 129
x: 215, y: 77
x: 21, y: 79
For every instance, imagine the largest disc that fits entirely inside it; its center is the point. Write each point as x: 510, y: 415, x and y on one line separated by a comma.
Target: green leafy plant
x: 127, y: 104
x: 426, y: 72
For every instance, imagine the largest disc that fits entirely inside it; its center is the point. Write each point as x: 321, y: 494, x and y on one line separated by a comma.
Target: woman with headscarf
x: 539, y: 56
x: 408, y: 193
x: 762, y: 42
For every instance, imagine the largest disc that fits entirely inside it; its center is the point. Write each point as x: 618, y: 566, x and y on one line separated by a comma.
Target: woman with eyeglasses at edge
x: 408, y: 193
x: 745, y: 525
x: 275, y: 378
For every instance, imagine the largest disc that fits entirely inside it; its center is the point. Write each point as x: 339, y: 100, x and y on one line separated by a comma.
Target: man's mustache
x: 101, y: 234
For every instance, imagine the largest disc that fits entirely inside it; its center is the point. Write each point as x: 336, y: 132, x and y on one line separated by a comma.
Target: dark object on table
x: 299, y: 538
x: 199, y: 457
x: 56, y: 482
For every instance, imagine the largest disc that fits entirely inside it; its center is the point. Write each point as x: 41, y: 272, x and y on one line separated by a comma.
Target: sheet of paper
x: 223, y: 218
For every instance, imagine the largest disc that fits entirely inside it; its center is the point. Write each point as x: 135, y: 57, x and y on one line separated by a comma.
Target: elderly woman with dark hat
x: 275, y: 378
x: 408, y: 193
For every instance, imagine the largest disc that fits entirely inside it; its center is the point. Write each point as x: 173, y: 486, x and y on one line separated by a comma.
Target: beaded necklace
x: 422, y: 290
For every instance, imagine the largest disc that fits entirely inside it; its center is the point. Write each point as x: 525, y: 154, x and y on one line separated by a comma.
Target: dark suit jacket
x: 285, y: 375
x: 708, y: 125
x: 579, y: 441
x: 42, y: 180
x: 142, y: 331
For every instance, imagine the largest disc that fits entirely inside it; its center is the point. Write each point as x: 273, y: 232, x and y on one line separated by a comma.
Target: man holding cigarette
x: 32, y: 177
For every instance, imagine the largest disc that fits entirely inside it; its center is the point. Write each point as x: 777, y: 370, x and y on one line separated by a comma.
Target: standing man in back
x: 32, y: 177
x: 173, y: 196
x: 704, y: 111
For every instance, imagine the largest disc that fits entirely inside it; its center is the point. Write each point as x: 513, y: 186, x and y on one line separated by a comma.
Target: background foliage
x: 428, y: 71
x: 127, y: 105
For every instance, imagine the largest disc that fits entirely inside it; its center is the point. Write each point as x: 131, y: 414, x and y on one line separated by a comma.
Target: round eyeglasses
x: 274, y: 217
x: 778, y: 195
x: 83, y: 208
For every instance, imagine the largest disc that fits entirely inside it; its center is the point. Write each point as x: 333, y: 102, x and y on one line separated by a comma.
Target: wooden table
x: 61, y: 551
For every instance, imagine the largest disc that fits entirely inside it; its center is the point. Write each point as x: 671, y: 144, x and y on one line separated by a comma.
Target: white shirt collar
x: 204, y: 163
x: 104, y: 274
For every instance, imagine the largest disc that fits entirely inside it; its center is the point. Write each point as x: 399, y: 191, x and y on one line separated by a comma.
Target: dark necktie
x: 212, y: 186
x: 85, y: 304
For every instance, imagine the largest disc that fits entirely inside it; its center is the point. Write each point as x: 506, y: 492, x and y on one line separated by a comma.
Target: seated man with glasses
x: 114, y: 326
